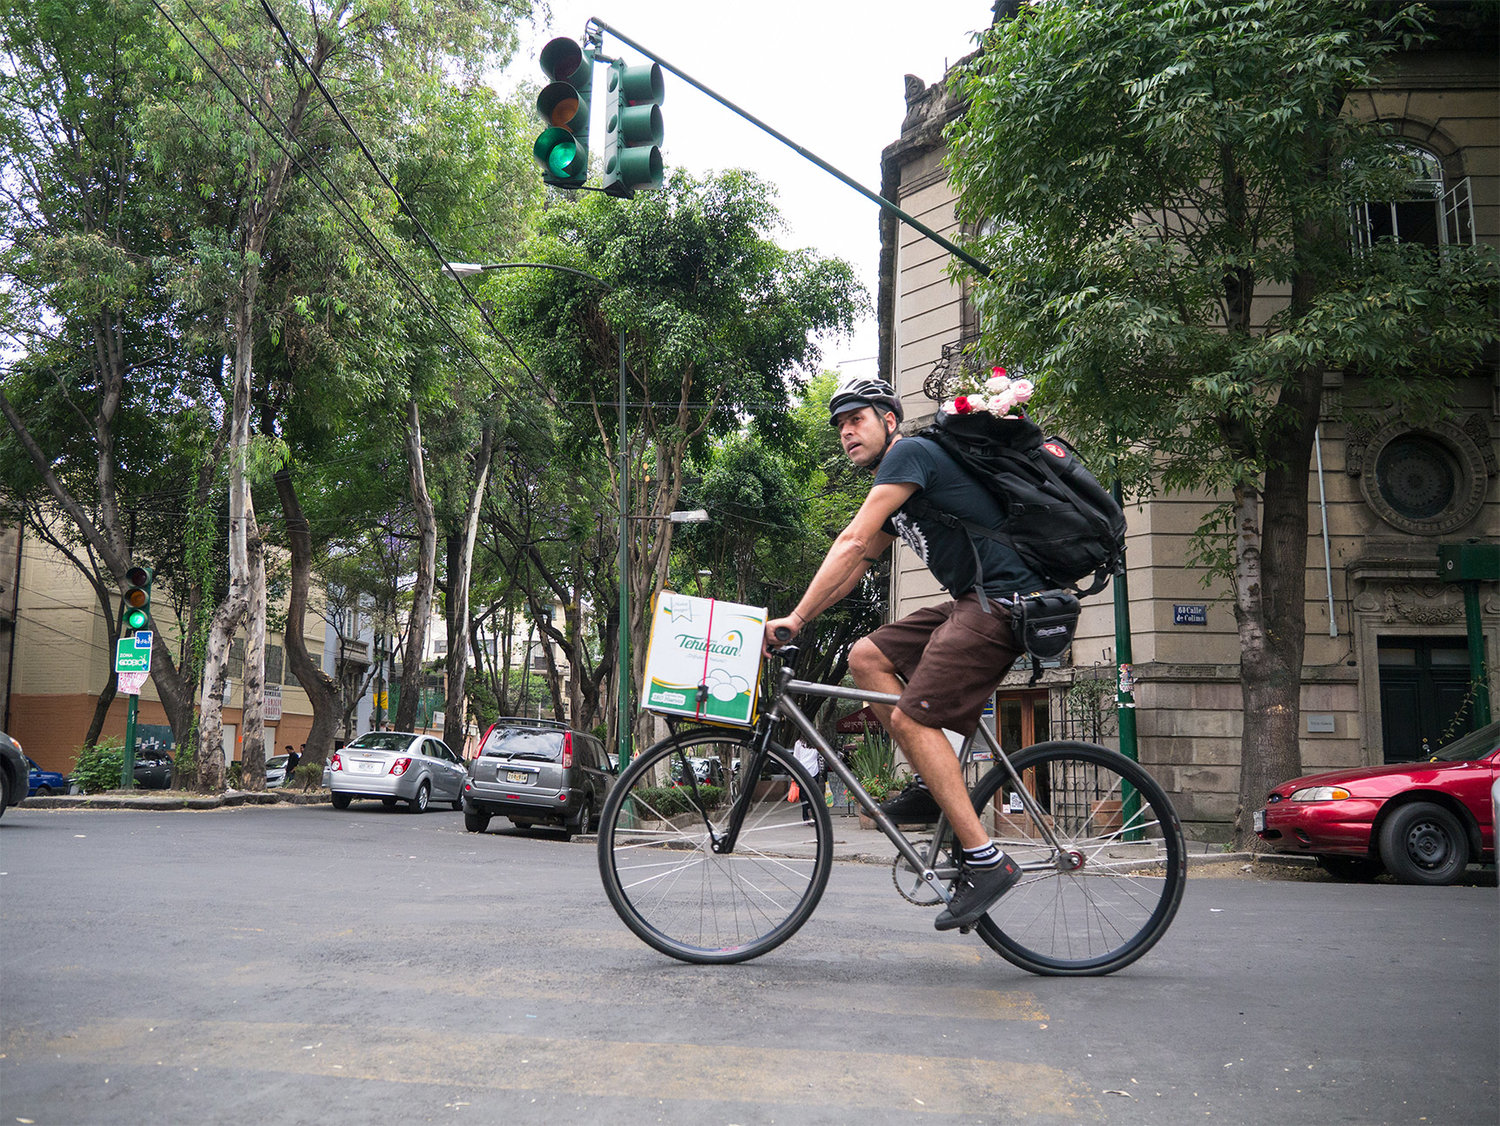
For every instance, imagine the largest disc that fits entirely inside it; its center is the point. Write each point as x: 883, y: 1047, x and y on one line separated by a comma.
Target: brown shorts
x: 951, y: 656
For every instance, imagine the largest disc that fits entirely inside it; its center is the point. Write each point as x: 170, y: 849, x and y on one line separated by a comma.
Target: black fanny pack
x: 1043, y: 624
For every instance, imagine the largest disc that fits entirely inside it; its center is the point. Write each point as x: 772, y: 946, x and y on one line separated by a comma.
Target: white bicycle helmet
x: 863, y: 391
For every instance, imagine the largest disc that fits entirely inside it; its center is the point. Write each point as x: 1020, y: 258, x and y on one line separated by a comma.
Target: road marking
x: 997, y: 1090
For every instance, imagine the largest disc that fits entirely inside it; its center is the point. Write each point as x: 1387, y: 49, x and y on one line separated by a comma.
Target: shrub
x: 309, y: 774
x: 98, y: 767
x: 667, y: 801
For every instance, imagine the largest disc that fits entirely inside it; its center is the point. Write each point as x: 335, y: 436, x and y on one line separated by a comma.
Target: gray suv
x: 537, y: 772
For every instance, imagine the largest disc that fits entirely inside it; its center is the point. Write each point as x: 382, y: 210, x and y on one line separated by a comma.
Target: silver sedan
x: 397, y: 766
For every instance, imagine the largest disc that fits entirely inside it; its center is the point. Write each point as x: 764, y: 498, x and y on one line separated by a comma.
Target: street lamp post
x: 622, y: 692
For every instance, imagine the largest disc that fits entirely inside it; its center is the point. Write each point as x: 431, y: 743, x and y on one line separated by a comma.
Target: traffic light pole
x: 911, y: 221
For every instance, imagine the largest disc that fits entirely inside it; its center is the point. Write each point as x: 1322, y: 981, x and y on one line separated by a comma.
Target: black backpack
x: 1058, y: 518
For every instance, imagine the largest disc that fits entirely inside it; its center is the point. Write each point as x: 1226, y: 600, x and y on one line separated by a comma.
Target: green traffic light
x: 633, y: 129
x: 137, y: 598
x: 563, y: 147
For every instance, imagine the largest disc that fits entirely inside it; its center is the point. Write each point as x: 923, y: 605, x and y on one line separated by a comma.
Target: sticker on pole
x: 130, y: 682
x: 704, y: 659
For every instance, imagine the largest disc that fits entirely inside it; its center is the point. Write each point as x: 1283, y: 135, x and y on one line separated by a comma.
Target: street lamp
x: 622, y: 716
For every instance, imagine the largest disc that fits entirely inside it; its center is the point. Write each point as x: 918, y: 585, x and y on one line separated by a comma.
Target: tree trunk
x: 1270, y: 591
x: 412, y: 675
x: 455, y: 708
x: 322, y: 690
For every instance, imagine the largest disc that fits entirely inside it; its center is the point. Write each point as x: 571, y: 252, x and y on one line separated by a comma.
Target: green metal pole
x: 957, y: 251
x: 1125, y: 689
x: 127, y: 764
x: 622, y: 718
x: 1479, y: 683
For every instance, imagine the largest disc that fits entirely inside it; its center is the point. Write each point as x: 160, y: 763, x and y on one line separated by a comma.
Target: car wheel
x: 1422, y: 843
x: 418, y: 804
x: 4, y: 791
x: 340, y: 801
x: 582, y: 824
x: 1351, y: 867
x: 458, y: 803
x: 476, y: 820
x: 43, y: 792
x: 389, y: 803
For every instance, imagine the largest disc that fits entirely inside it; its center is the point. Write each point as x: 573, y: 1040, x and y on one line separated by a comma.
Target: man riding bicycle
x: 943, y: 661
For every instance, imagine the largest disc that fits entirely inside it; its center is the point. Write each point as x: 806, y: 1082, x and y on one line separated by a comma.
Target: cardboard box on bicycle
x: 707, y: 644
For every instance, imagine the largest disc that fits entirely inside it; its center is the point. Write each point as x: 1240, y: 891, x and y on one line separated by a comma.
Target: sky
x: 827, y: 73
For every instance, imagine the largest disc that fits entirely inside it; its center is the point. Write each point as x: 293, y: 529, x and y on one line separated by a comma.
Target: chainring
x: 909, y: 881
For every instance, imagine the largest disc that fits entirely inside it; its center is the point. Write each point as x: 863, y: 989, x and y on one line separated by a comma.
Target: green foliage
x: 669, y: 801
x: 874, y: 764
x: 1141, y: 181
x: 98, y: 767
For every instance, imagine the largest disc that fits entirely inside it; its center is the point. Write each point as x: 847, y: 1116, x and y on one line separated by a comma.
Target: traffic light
x: 137, y: 607
x: 563, y: 147
x: 632, y: 129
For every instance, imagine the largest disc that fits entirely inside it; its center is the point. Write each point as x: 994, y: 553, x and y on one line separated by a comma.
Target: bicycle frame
x: 784, y: 707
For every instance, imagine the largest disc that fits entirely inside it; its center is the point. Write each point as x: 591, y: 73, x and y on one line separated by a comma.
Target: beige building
x: 1386, y: 662
x: 59, y: 659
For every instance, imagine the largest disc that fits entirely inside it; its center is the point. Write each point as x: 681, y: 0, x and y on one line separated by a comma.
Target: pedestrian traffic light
x: 563, y: 147
x: 632, y: 129
x: 137, y: 607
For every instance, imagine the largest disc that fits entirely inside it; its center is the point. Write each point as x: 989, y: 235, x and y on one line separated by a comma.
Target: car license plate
x: 367, y: 767
x: 1259, y: 819
x: 517, y: 776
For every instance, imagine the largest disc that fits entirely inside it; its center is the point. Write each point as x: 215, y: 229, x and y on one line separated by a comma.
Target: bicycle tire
x: 679, y: 896
x: 1105, y: 913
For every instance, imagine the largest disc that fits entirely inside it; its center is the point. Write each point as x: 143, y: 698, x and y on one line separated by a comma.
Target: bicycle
x: 719, y: 875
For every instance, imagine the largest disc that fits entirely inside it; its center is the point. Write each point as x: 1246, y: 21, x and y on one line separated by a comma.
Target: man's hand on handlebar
x: 779, y: 632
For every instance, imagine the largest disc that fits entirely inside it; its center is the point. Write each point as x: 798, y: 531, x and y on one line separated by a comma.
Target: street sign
x: 128, y: 658
x: 130, y: 682
x: 272, y: 698
x: 143, y: 638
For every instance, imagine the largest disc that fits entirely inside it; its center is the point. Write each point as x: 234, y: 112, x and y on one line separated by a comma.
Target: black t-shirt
x: 947, y: 551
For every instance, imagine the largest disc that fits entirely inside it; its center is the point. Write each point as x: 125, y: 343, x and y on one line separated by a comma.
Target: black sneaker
x: 978, y: 888
x: 913, y: 805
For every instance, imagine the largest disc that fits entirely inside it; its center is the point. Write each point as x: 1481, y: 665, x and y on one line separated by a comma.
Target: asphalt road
x: 295, y: 964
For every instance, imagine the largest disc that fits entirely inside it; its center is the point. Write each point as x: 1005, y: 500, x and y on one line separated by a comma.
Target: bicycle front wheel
x: 662, y: 873
x: 1111, y: 892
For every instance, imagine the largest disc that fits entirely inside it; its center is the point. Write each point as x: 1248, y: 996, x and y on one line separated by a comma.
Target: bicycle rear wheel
x: 663, y: 876
x: 1112, y: 892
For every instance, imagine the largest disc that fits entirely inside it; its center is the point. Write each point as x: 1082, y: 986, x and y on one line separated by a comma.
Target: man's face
x: 862, y: 433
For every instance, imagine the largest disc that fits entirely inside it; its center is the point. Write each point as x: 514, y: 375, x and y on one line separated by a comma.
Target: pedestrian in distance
x: 813, y: 761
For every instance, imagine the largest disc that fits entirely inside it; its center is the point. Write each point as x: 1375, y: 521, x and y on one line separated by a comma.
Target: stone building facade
x: 1386, y: 664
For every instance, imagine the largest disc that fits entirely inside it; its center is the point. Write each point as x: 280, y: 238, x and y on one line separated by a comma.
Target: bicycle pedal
x: 966, y: 930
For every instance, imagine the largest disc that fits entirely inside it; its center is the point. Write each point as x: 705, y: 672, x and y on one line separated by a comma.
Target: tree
x: 1165, y: 189
x: 719, y: 323
x: 102, y: 403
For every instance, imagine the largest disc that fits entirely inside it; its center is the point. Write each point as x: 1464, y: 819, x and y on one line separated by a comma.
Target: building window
x: 1430, y: 214
x: 1426, y: 481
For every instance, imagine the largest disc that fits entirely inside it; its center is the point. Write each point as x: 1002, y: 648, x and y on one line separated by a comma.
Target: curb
x: 227, y: 800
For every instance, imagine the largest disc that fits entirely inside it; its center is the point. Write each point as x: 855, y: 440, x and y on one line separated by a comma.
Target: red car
x: 1421, y: 821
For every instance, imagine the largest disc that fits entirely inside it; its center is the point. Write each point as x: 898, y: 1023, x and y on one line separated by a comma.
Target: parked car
x: 1423, y: 822
x: 276, y: 771
x: 709, y: 772
x: 44, y: 782
x: 397, y: 766
x: 537, y: 772
x: 153, y: 769
x: 12, y: 773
